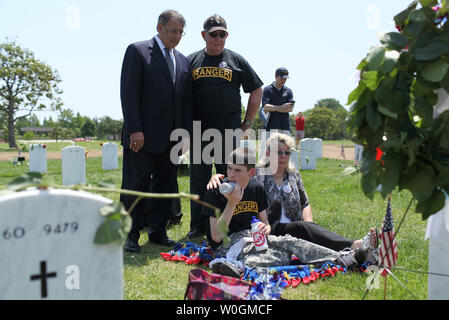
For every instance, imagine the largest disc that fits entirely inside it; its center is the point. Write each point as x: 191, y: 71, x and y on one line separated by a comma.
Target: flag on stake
x: 388, y: 252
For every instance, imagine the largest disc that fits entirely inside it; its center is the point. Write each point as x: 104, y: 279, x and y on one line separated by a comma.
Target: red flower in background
x: 379, y: 154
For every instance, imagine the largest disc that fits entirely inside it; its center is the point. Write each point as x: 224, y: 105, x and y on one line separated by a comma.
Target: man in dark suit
x: 155, y: 95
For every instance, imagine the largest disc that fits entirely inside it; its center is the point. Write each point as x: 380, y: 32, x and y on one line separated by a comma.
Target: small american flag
x: 357, y: 158
x: 388, y: 248
x: 342, y: 152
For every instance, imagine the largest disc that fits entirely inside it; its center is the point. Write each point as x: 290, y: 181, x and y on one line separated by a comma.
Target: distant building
x: 36, y: 129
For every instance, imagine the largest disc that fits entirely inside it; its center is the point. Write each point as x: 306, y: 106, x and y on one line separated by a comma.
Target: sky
x: 320, y: 43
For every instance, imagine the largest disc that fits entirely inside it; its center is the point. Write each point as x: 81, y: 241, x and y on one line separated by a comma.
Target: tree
x: 88, y: 128
x: 108, y: 126
x: 330, y: 103
x: 26, y: 84
x: 323, y: 124
x: 339, y: 112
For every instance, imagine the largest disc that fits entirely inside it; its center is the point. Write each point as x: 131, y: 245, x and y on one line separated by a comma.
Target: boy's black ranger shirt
x: 254, y: 200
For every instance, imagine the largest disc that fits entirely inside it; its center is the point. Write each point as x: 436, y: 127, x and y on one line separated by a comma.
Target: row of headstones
x: 304, y: 159
x: 310, y: 151
x: 73, y: 161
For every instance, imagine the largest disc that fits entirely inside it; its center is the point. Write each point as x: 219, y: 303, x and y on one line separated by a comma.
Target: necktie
x: 170, y: 64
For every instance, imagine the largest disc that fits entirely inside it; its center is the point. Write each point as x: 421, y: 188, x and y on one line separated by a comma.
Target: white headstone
x: 38, y: 158
x: 358, y: 149
x: 73, y: 166
x: 308, y: 154
x: 294, y: 158
x: 110, y: 156
x: 249, y: 144
x: 47, y: 248
x: 438, y: 232
x: 263, y: 137
x: 318, y: 145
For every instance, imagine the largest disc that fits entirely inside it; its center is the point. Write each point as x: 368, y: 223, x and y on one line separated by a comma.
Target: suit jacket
x: 151, y: 103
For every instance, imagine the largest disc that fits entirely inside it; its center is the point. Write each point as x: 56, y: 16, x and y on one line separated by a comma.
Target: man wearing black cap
x: 217, y: 75
x: 278, y: 100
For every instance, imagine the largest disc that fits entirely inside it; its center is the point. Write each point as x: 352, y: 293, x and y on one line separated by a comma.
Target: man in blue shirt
x: 278, y: 101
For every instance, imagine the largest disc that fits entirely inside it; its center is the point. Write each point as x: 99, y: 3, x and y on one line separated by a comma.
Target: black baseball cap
x: 214, y: 23
x: 282, y: 72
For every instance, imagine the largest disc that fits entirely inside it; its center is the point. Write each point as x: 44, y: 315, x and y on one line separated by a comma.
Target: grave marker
x: 73, y: 165
x: 438, y: 232
x: 110, y: 156
x: 308, y: 154
x: 38, y: 158
x: 294, y: 158
x: 47, y: 248
x: 318, y: 147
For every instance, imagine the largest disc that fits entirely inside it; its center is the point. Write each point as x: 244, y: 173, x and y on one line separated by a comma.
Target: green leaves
x: 371, y: 79
x: 116, y: 226
x: 30, y: 179
x: 394, y: 40
x: 435, y: 71
x: 428, y: 3
x: 432, y: 204
x: 393, y: 108
x: 431, y: 51
x: 375, y: 58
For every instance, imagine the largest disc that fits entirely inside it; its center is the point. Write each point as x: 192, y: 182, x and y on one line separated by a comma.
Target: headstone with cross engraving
x: 47, y: 248
x: 110, y: 156
x: 73, y: 165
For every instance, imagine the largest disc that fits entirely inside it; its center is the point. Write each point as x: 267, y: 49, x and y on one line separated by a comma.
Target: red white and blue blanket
x: 267, y: 282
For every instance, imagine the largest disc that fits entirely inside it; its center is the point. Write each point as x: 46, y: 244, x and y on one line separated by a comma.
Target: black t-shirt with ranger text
x: 216, y: 87
x: 254, y: 200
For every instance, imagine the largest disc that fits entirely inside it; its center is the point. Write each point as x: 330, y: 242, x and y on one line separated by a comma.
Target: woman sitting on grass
x: 289, y: 211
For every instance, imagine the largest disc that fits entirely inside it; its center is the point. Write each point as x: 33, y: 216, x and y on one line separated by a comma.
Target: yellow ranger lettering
x: 246, y: 206
x: 212, y: 72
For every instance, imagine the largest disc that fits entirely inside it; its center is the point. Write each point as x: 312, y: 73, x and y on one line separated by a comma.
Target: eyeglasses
x: 176, y: 31
x: 287, y: 153
x: 221, y: 34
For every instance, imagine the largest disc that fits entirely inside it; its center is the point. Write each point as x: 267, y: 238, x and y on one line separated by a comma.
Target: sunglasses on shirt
x: 287, y: 153
x: 221, y: 34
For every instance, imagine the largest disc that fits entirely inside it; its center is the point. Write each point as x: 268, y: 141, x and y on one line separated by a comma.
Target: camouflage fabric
x: 280, y: 251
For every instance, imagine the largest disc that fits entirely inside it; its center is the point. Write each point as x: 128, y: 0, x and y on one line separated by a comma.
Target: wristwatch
x: 247, y: 122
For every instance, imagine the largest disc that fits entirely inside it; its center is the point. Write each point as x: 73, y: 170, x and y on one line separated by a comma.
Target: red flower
x: 379, y: 154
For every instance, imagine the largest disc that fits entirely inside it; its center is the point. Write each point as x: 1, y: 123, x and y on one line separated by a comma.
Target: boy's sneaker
x: 350, y: 257
x: 226, y: 268
x: 371, y: 241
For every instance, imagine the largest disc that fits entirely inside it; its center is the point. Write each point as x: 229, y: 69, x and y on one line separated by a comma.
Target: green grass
x: 337, y: 203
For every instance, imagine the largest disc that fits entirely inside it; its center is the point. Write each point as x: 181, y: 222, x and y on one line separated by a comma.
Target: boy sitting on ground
x: 248, y: 199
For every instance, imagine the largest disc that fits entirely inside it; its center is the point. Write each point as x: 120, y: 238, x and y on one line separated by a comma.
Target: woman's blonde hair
x: 278, y: 138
